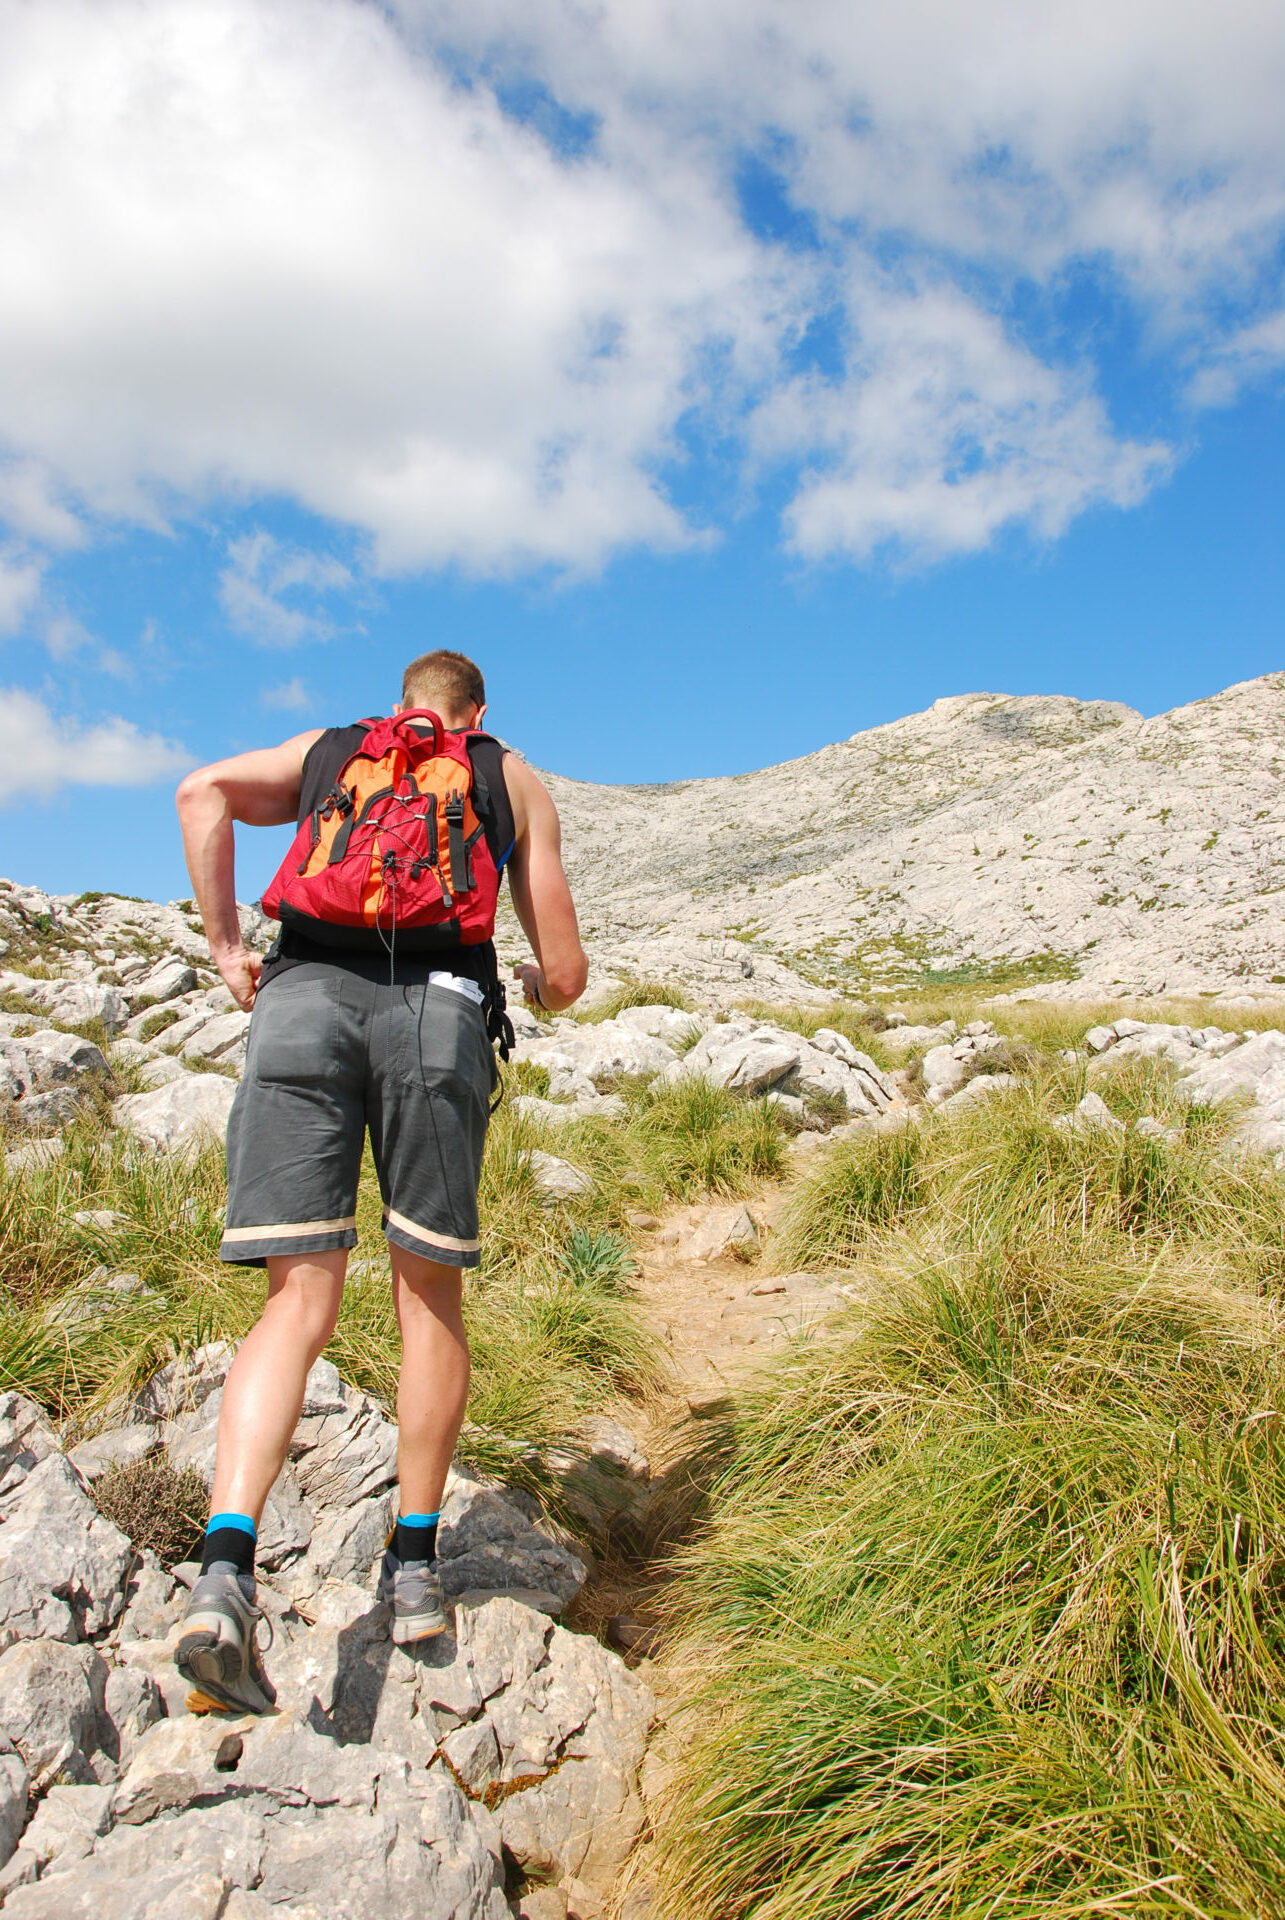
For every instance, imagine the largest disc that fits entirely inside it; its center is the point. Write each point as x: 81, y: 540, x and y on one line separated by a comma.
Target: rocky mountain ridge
x: 1009, y: 839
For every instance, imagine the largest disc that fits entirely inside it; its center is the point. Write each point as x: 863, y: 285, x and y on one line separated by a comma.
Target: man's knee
x: 305, y: 1296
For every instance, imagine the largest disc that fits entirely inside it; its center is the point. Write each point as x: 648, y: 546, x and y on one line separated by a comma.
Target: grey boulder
x: 26, y: 1439
x: 62, y: 1565
x: 13, y: 1798
x: 485, y: 1545
x: 557, y: 1180
x: 52, y: 1699
x: 183, y: 1114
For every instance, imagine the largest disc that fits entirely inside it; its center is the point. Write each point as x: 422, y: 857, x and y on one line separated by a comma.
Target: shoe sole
x: 420, y: 1626
x: 211, y: 1666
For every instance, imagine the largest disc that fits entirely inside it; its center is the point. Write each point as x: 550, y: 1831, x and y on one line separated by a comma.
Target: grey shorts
x: 330, y: 1055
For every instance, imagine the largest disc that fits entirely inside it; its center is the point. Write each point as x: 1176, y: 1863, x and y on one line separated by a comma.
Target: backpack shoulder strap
x: 491, y: 795
x: 324, y: 760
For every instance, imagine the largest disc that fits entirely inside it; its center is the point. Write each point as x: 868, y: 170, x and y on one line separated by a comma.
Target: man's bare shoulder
x: 529, y: 797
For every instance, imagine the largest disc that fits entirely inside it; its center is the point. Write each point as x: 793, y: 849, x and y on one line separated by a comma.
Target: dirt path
x: 719, y: 1319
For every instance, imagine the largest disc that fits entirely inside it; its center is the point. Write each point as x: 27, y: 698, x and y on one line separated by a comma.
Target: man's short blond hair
x: 450, y: 683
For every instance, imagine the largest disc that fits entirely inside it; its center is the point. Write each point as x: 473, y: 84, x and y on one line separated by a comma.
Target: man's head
x: 448, y: 683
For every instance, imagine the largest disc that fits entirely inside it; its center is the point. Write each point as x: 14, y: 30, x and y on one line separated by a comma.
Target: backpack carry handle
x: 410, y: 715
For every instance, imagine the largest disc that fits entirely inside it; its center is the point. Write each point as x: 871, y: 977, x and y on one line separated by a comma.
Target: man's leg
x: 431, y: 1394
x: 262, y: 1399
x: 263, y: 1394
x: 433, y: 1387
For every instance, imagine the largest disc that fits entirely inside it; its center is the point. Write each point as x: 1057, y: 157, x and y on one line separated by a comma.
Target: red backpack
x: 397, y: 846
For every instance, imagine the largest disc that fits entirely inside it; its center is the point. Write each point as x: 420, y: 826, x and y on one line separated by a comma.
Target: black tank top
x: 321, y: 766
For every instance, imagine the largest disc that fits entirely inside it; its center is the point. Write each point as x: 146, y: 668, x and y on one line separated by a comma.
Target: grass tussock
x: 1005, y: 1171
x: 987, y: 1617
x: 635, y: 993
x: 692, y: 1138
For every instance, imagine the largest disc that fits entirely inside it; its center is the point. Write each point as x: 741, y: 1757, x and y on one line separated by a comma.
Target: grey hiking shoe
x: 216, y: 1652
x: 413, y: 1595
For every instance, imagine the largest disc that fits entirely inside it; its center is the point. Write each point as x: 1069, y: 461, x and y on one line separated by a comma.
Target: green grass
x: 986, y: 1616
x: 862, y: 1188
x: 634, y: 993
x: 692, y: 1138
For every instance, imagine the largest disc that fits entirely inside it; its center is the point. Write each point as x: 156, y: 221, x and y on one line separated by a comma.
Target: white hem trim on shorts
x: 295, y: 1232
x: 444, y: 1240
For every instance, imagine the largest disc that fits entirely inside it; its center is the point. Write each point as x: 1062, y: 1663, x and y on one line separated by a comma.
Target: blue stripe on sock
x: 241, y: 1521
x: 417, y: 1519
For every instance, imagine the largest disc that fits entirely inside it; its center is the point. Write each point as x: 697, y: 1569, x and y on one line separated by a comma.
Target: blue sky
x: 724, y: 387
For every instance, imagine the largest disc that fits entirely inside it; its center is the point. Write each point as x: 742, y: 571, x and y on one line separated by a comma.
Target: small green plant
x: 826, y: 1109
x: 601, y: 1261
x: 157, y: 1022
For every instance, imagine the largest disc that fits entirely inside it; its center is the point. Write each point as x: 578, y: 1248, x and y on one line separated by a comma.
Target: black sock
x: 228, y: 1543
x: 415, y: 1537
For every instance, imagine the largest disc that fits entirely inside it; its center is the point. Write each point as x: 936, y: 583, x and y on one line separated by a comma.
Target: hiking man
x: 374, y: 1010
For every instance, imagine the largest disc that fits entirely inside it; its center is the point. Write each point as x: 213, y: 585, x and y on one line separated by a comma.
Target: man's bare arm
x: 261, y: 789
x: 541, y: 896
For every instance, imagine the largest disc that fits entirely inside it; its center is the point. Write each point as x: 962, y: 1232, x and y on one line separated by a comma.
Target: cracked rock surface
x: 390, y: 1785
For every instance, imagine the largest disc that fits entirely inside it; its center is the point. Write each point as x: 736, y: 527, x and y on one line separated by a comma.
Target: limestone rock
x: 344, y: 1448
x: 41, y: 1111
x: 987, y: 827
x: 75, y: 1002
x: 26, y: 1439
x: 291, y: 1818
x: 119, y: 1448
x: 33, y: 1156
x: 45, y: 1060
x: 183, y: 1385
x: 715, y: 1232
x: 52, y: 1694
x: 1091, y: 1115
x: 187, y: 1112
x: 744, y: 1062
x: 166, y: 981
x: 944, y: 1072
x: 638, y: 1043
x: 1256, y: 1067
x: 162, y: 1071
x: 614, y: 1445
x: 13, y: 1798
x: 557, y: 1180
x: 66, y: 1824
x: 219, y: 1038
x: 583, y: 1704
x: 978, y: 1088
x: 151, y: 1605
x: 486, y: 1545
x: 62, y: 1566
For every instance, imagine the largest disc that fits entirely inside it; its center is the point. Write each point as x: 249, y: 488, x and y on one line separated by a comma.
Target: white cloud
x: 1255, y: 353
x: 40, y: 753
x: 64, y: 634
x: 20, y: 577
x: 943, y: 434
x: 274, y: 248
x: 292, y: 696
x: 263, y: 583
